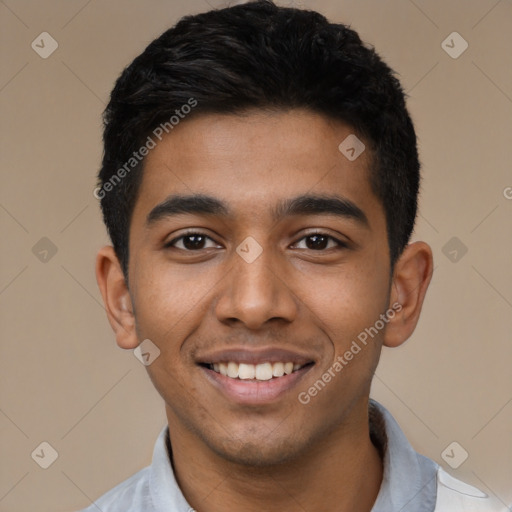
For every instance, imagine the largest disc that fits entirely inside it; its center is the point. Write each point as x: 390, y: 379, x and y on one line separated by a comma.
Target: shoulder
x: 454, y: 495
x: 131, y: 495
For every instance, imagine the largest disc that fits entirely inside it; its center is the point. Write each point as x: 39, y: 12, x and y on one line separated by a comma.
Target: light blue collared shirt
x: 409, y: 479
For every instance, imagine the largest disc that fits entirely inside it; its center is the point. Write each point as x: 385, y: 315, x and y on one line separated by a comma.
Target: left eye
x: 319, y: 241
x: 191, y: 242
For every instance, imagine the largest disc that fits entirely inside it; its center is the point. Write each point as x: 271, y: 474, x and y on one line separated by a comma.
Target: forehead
x: 254, y: 161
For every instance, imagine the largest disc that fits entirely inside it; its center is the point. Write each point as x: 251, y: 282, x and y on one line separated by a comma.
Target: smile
x: 259, y: 372
x: 255, y: 384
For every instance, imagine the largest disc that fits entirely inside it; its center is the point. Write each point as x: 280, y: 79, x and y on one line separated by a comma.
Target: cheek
x: 348, y: 306
x: 349, y: 300
x: 168, y: 306
x: 167, y: 300
x: 348, y: 303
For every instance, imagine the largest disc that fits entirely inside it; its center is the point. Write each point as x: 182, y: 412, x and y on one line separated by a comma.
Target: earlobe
x: 411, y: 277
x: 116, y: 297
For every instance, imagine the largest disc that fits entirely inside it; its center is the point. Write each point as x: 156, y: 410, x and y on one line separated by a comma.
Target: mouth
x: 254, y: 378
x: 255, y: 372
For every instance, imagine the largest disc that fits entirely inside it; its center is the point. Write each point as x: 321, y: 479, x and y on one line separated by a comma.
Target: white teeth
x: 246, y: 371
x: 278, y: 369
x: 262, y: 371
x: 232, y: 370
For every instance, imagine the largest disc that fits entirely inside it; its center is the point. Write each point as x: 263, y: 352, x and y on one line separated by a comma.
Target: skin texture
x: 280, y: 455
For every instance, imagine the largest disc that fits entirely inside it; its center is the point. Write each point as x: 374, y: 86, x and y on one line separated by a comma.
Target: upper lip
x: 254, y: 356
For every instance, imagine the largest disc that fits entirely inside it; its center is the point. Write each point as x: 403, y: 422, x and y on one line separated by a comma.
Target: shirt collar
x: 409, y: 482
x: 165, y: 492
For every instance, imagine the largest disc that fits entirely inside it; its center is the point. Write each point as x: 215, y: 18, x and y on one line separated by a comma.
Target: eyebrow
x: 200, y: 204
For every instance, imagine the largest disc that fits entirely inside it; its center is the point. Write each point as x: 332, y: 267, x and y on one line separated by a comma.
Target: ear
x: 116, y: 298
x: 411, y: 277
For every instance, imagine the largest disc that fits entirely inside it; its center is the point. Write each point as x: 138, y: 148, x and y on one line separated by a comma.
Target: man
x: 259, y: 184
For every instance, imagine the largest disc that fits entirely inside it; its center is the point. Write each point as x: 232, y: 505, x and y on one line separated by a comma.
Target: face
x: 257, y: 247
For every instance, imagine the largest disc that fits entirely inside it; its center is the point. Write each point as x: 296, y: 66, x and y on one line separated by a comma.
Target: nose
x: 255, y: 293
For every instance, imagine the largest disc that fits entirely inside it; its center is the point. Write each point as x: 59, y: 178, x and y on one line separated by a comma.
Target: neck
x: 342, y: 473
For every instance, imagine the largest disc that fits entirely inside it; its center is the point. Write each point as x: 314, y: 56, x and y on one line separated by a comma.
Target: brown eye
x: 320, y: 241
x: 191, y: 242
x: 317, y: 242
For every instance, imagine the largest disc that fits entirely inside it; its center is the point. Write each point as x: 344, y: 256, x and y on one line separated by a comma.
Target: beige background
x: 63, y: 379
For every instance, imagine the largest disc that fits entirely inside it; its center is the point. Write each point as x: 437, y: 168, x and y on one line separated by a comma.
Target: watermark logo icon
x: 351, y: 147
x: 44, y: 45
x: 454, y: 249
x: 454, y: 455
x: 44, y: 455
x: 44, y: 250
x: 146, y: 352
x: 249, y: 249
x: 454, y: 45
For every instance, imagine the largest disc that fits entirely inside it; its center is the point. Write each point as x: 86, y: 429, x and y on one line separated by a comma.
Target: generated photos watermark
x: 137, y: 156
x: 341, y: 361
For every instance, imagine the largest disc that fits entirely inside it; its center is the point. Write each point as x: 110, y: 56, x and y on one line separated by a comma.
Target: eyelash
x: 340, y: 244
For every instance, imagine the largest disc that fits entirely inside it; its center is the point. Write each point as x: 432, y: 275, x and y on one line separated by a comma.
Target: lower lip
x: 255, y: 392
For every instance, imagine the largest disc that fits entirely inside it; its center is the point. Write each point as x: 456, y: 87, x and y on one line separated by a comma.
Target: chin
x: 260, y: 454
x: 259, y: 449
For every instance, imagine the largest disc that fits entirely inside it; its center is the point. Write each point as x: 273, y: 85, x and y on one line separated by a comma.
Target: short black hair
x: 259, y: 56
